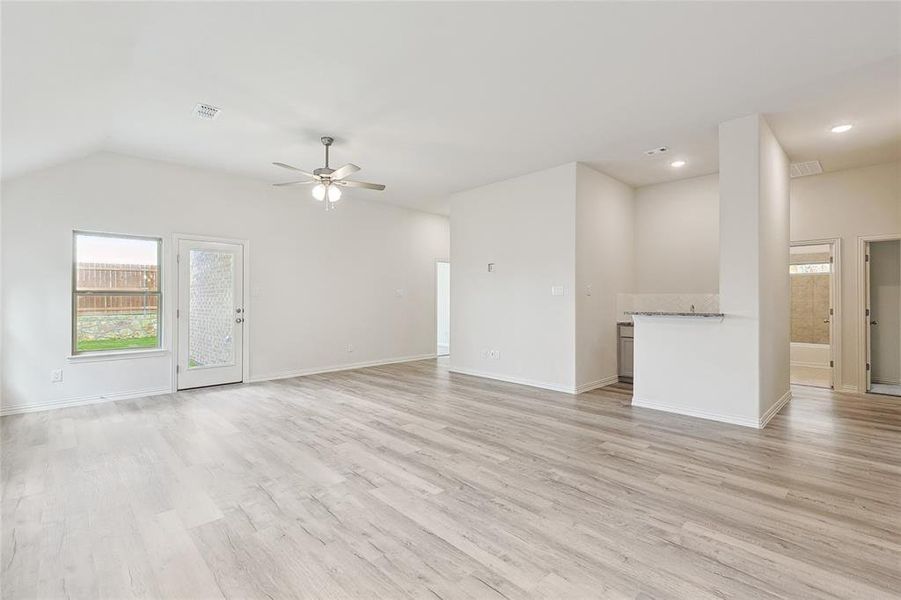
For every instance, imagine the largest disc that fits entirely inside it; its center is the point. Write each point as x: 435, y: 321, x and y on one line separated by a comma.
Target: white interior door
x: 210, y: 313
x: 830, y: 317
x: 869, y: 319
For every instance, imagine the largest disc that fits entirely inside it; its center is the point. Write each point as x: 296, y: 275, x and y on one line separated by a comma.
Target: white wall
x: 526, y: 227
x: 605, y: 214
x: 731, y: 370
x: 677, y: 237
x: 319, y: 281
x: 848, y: 204
x: 842, y: 204
x: 885, y: 309
x: 774, y: 282
x: 442, y: 276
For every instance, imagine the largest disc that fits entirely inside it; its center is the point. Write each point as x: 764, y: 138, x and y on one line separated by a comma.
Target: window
x: 810, y: 268
x: 115, y: 292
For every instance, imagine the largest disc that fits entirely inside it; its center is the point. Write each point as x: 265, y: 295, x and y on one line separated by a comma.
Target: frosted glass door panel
x: 212, y: 310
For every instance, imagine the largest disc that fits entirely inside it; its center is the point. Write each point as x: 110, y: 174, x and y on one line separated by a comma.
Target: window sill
x: 116, y: 355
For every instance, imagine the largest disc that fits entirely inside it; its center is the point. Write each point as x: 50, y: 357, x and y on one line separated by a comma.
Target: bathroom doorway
x: 812, y: 271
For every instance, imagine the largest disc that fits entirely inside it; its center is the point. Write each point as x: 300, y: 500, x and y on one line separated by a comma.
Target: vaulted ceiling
x: 433, y: 98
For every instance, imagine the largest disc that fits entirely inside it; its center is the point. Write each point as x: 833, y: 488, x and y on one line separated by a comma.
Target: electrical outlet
x: 485, y: 353
x: 56, y: 375
x: 588, y: 290
x: 494, y: 354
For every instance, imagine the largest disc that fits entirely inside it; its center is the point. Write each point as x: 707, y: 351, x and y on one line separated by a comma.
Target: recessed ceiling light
x: 677, y: 163
x: 842, y: 128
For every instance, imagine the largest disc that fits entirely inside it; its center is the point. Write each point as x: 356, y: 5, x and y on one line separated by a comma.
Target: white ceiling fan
x: 328, y: 182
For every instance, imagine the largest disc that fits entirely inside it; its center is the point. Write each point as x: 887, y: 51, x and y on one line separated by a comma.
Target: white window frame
x: 75, y: 293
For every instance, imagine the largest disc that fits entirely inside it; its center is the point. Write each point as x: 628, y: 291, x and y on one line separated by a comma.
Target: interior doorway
x: 882, y: 325
x: 442, y: 307
x: 812, y: 271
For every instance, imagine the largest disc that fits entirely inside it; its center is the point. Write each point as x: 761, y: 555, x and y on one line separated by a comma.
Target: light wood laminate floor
x: 406, y: 481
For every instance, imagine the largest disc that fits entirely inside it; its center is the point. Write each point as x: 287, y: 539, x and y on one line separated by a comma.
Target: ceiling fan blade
x: 284, y: 166
x: 361, y: 184
x: 342, y: 172
x: 295, y: 183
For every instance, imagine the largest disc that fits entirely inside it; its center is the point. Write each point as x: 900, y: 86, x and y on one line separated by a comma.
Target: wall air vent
x: 803, y: 169
x: 206, y: 111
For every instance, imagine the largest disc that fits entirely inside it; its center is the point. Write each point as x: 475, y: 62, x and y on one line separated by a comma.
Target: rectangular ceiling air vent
x: 803, y: 169
x: 206, y: 111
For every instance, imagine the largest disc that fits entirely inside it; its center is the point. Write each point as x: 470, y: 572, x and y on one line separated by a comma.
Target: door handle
x: 239, y: 320
x: 825, y: 320
x: 873, y: 323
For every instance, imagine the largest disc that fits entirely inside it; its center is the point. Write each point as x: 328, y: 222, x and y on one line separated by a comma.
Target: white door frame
x: 863, y: 336
x: 835, y: 301
x: 435, y: 303
x: 173, y: 305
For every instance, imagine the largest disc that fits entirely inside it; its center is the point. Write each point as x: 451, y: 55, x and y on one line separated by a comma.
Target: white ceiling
x: 433, y: 98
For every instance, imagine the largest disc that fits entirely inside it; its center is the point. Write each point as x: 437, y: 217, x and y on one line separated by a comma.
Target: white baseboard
x: 585, y: 387
x: 774, y: 409
x: 443, y: 349
x: 336, y: 368
x: 711, y: 416
x: 518, y: 380
x: 97, y: 399
x: 886, y: 381
x: 701, y: 414
x: 82, y: 401
x: 593, y: 385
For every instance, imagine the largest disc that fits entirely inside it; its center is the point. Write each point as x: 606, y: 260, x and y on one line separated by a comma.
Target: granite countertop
x: 701, y: 315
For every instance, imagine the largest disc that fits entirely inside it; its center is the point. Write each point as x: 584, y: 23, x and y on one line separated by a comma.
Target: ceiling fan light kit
x: 327, y: 180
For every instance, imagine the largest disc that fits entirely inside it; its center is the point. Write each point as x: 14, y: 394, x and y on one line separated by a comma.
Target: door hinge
x: 177, y: 369
x: 831, y: 260
x: 831, y: 363
x: 178, y: 258
x: 867, y: 313
x: 866, y: 258
x: 177, y: 313
x: 831, y: 312
x: 868, y: 366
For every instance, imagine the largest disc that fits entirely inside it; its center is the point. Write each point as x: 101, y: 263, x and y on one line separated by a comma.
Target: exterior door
x: 210, y: 313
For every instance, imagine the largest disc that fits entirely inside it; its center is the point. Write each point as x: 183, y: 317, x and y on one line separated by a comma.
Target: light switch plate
x: 56, y: 375
x: 557, y: 290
